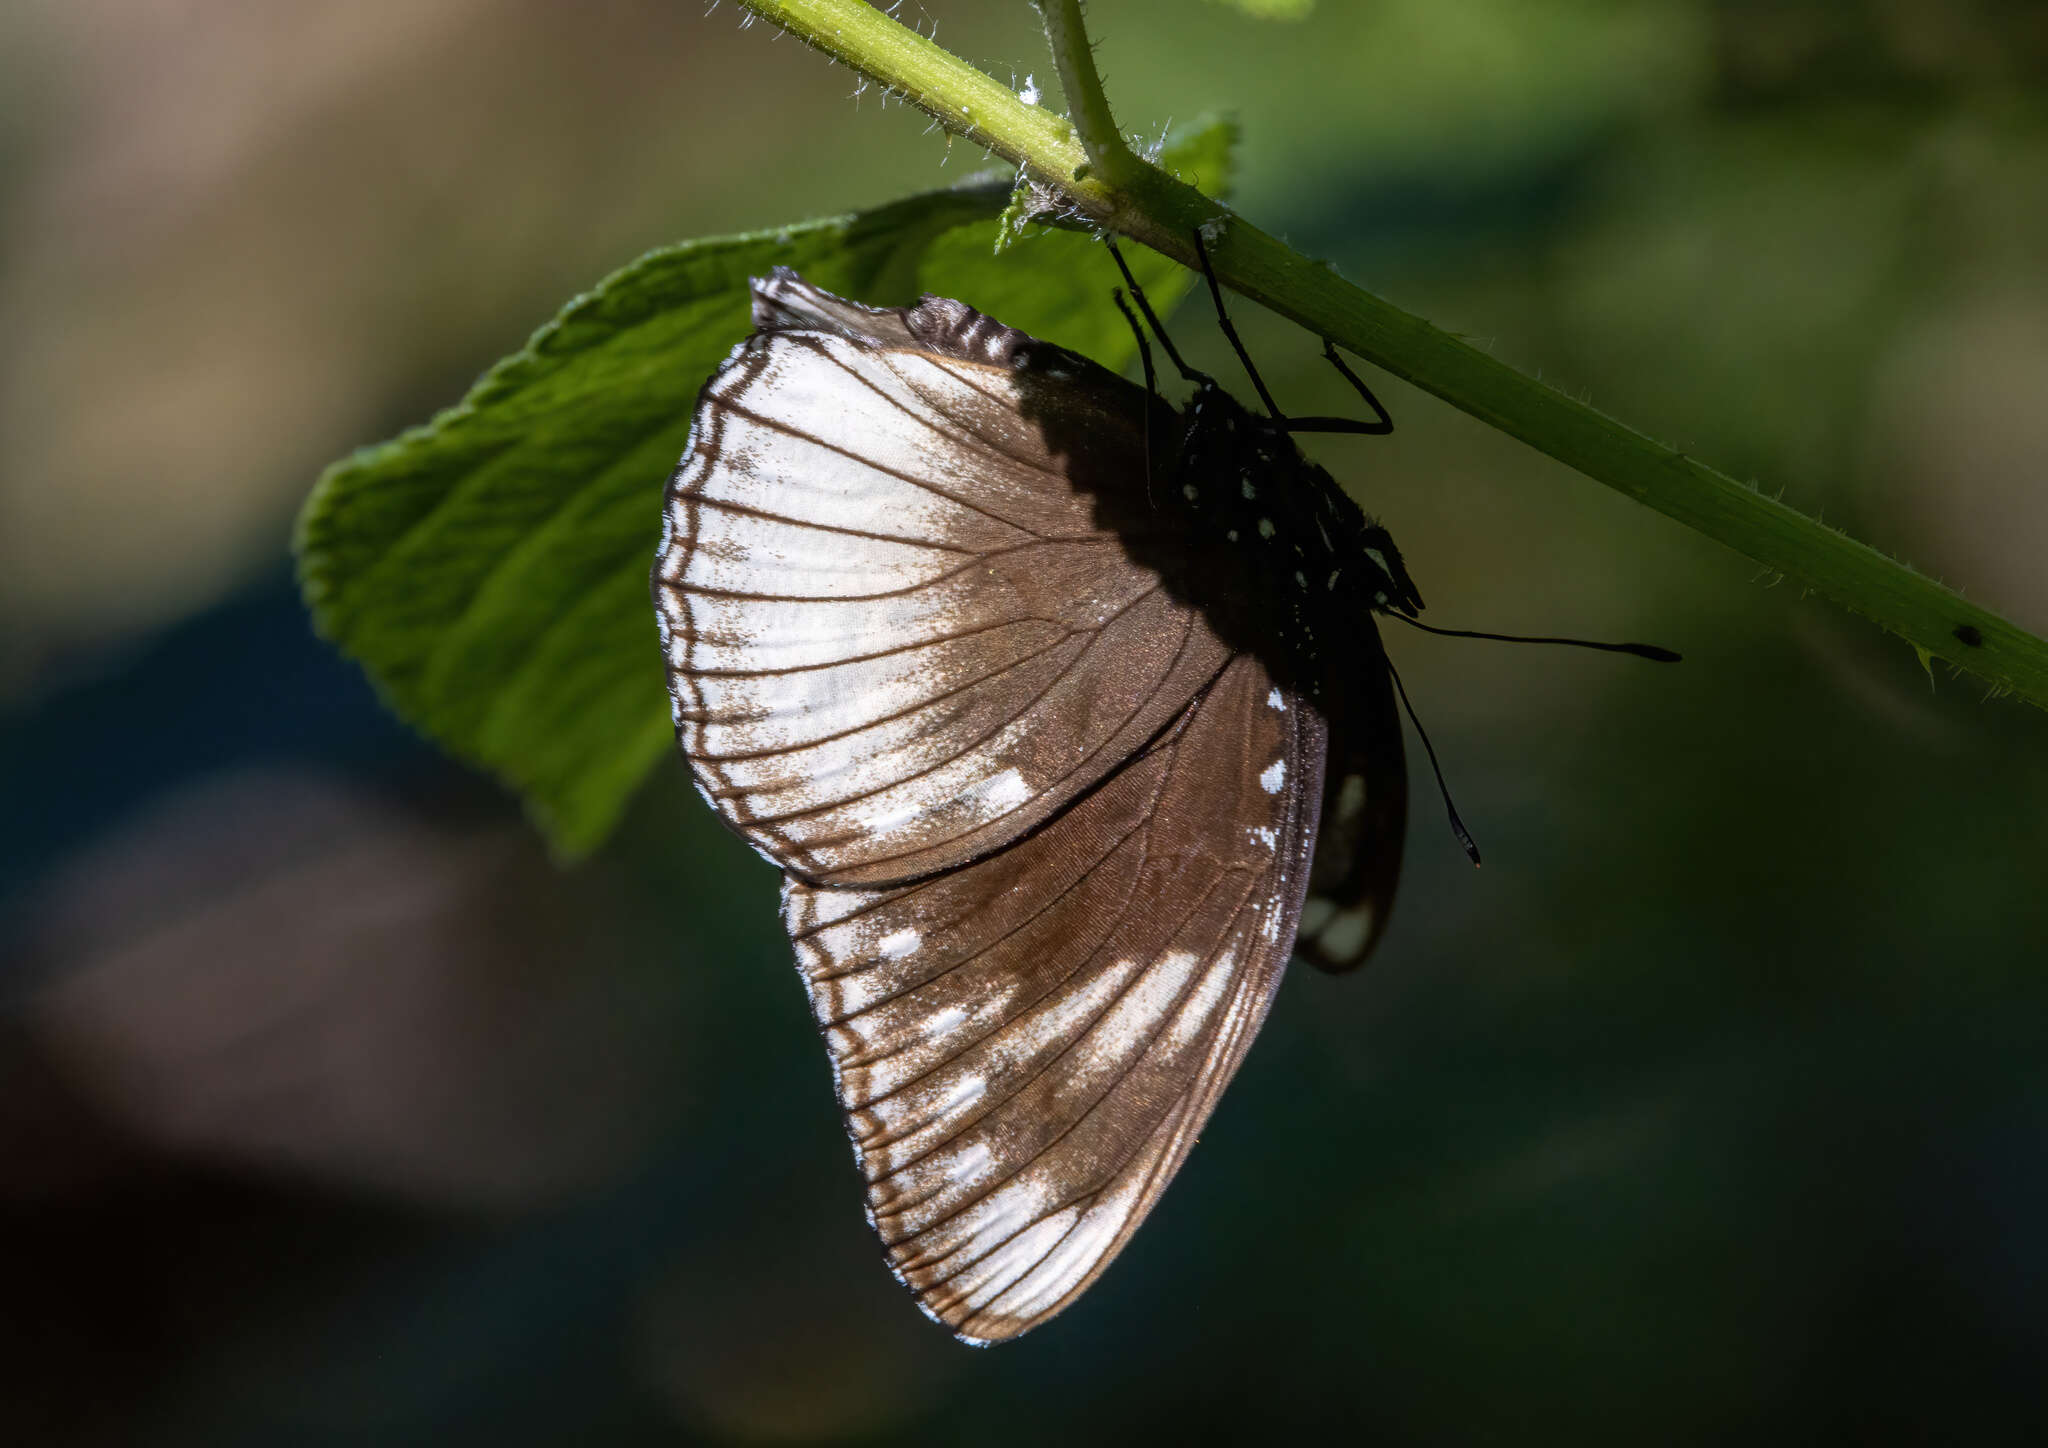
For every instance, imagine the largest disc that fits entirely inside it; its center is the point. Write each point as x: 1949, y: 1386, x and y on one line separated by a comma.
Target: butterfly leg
x: 1384, y: 424
x: 1138, y: 296
x: 1151, y: 380
x: 1144, y: 347
x: 1223, y: 320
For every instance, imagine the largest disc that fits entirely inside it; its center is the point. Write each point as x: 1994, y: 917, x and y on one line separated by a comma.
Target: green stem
x: 1087, y: 104
x: 1150, y: 206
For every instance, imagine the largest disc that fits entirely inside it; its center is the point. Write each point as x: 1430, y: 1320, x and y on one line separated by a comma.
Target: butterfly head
x: 1387, y: 579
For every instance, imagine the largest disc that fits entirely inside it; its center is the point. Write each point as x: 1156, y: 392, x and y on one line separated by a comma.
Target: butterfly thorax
x: 1308, y: 560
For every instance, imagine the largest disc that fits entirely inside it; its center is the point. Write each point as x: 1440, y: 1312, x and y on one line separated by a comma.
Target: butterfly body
x: 1302, y: 556
x: 1052, y: 703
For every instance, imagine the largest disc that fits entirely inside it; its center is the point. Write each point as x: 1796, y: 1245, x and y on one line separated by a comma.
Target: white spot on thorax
x: 1250, y: 492
x: 1189, y: 492
x: 899, y: 944
x: 1274, y: 776
x: 1380, y: 560
x: 1265, y: 527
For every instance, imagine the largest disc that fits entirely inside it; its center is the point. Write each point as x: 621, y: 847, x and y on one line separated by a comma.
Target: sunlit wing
x: 1364, y: 820
x: 1026, y: 1046
x: 900, y: 632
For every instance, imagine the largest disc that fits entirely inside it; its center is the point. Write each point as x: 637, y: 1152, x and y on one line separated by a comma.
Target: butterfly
x: 1064, y: 714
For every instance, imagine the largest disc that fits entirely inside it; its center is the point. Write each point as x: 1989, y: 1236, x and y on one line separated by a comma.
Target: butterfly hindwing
x: 1026, y: 1046
x: 1364, y: 820
x: 899, y: 635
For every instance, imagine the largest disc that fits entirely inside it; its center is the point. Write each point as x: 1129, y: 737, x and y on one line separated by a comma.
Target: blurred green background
x: 1715, y: 1105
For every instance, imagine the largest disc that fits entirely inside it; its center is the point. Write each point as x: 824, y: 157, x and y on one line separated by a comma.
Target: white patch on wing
x: 1274, y: 777
x: 1023, y: 1043
x: 949, y: 800
x: 1004, y: 792
x: 1265, y: 835
x: 748, y: 553
x: 969, y: 1163
x: 1201, y: 1003
x: 1351, y: 797
x: 1126, y: 1026
x: 1274, y: 701
x: 899, y: 943
x: 827, y: 483
x: 1013, y: 1260
x: 890, y: 816
x: 1060, y: 1271
x: 1001, y: 1217
x: 966, y: 1091
x: 1345, y: 935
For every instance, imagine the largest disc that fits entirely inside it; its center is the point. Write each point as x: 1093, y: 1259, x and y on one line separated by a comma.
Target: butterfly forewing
x: 1025, y: 1047
x: 899, y: 635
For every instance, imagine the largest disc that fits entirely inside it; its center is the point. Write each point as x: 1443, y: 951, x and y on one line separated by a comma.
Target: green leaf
x: 489, y: 570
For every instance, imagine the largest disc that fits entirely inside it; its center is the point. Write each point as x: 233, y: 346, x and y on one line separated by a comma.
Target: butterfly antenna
x: 1457, y: 825
x: 1151, y: 380
x: 1138, y: 296
x: 1237, y: 346
x: 1651, y: 652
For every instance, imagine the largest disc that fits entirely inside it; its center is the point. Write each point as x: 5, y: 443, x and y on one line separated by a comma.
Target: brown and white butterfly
x: 1037, y: 690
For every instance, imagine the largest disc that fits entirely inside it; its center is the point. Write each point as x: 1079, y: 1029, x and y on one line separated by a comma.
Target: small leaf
x: 489, y: 570
x: 1016, y: 216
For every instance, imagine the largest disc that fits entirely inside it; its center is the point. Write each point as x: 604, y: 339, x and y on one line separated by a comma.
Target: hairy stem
x: 1130, y: 196
x: 1087, y: 105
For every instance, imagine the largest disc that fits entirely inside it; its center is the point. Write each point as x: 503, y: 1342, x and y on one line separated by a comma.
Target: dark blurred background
x: 1715, y: 1105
